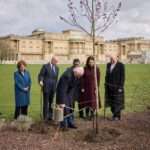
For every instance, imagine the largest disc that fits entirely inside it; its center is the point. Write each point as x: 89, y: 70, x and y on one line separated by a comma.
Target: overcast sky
x: 23, y: 16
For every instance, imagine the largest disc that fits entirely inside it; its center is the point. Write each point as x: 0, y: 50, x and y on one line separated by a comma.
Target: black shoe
x: 64, y: 129
x: 49, y: 118
x: 82, y: 117
x: 72, y: 126
x: 115, y: 118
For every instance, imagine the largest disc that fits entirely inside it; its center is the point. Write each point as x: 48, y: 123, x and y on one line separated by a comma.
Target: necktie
x: 53, y: 68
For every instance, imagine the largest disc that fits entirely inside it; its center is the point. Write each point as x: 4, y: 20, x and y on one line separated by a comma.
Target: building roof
x: 127, y: 39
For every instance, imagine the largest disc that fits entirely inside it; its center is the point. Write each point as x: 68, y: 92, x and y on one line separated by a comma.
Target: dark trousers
x: 21, y: 110
x: 89, y: 113
x: 47, y: 105
x: 68, y: 118
x: 116, y: 105
x: 81, y: 110
x: 116, y: 112
x: 67, y: 122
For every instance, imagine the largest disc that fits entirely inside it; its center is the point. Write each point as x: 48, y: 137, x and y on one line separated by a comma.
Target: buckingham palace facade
x: 70, y: 44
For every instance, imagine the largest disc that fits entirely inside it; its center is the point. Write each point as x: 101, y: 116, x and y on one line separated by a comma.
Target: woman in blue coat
x: 22, y: 83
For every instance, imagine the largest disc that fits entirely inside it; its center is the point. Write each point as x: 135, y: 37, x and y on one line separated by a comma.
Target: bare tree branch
x: 103, y: 17
x: 100, y: 14
x: 75, y: 24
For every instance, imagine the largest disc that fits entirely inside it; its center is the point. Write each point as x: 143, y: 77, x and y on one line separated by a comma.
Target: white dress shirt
x: 112, y: 67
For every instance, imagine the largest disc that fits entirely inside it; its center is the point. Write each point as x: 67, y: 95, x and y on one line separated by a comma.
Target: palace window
x: 124, y: 50
x: 50, y: 47
x: 139, y: 46
x: 24, y: 42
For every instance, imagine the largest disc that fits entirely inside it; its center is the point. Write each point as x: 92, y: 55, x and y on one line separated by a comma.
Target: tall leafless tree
x: 6, y: 52
x: 92, y: 17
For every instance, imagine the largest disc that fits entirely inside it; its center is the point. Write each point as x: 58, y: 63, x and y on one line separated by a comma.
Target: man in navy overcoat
x: 114, y: 86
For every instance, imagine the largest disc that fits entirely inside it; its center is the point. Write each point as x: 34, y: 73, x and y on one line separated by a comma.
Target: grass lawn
x: 137, y: 88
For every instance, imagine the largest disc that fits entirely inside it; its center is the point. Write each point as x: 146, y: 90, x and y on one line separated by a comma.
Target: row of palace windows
x: 31, y: 42
x: 38, y: 47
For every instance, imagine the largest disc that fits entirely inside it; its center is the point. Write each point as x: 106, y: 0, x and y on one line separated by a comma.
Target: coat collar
x: 114, y: 67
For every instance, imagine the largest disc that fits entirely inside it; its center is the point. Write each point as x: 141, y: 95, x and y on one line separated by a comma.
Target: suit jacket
x: 22, y: 97
x: 49, y: 77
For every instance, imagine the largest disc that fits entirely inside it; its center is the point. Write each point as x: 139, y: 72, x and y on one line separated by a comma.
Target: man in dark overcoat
x: 77, y: 88
x: 48, y: 77
x: 114, y: 86
x: 65, y: 94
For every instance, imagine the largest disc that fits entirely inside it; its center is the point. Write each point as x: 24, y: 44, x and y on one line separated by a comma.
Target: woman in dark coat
x: 88, y: 89
x: 114, y: 86
x: 22, y: 83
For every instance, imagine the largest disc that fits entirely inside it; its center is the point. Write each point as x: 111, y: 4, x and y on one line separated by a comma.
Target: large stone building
x: 132, y: 49
x: 70, y: 44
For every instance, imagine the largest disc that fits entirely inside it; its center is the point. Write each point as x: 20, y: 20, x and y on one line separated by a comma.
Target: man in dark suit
x: 77, y: 86
x: 76, y: 93
x: 114, y: 86
x: 48, y: 77
x: 65, y: 94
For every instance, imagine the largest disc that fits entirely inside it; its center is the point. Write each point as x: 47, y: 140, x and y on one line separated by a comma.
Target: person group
x: 76, y: 84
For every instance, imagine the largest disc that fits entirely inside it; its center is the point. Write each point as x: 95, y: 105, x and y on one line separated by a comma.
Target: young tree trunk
x: 95, y: 69
x: 99, y: 16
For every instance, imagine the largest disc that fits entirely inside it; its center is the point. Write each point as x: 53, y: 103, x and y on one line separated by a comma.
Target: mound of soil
x: 104, y: 135
x: 131, y: 133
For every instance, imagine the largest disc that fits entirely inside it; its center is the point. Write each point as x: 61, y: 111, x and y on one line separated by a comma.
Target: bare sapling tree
x: 92, y: 17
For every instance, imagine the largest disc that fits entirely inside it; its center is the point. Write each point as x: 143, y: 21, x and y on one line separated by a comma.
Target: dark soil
x: 131, y: 133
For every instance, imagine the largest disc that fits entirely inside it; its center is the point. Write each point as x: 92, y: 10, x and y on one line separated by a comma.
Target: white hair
x: 78, y: 70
